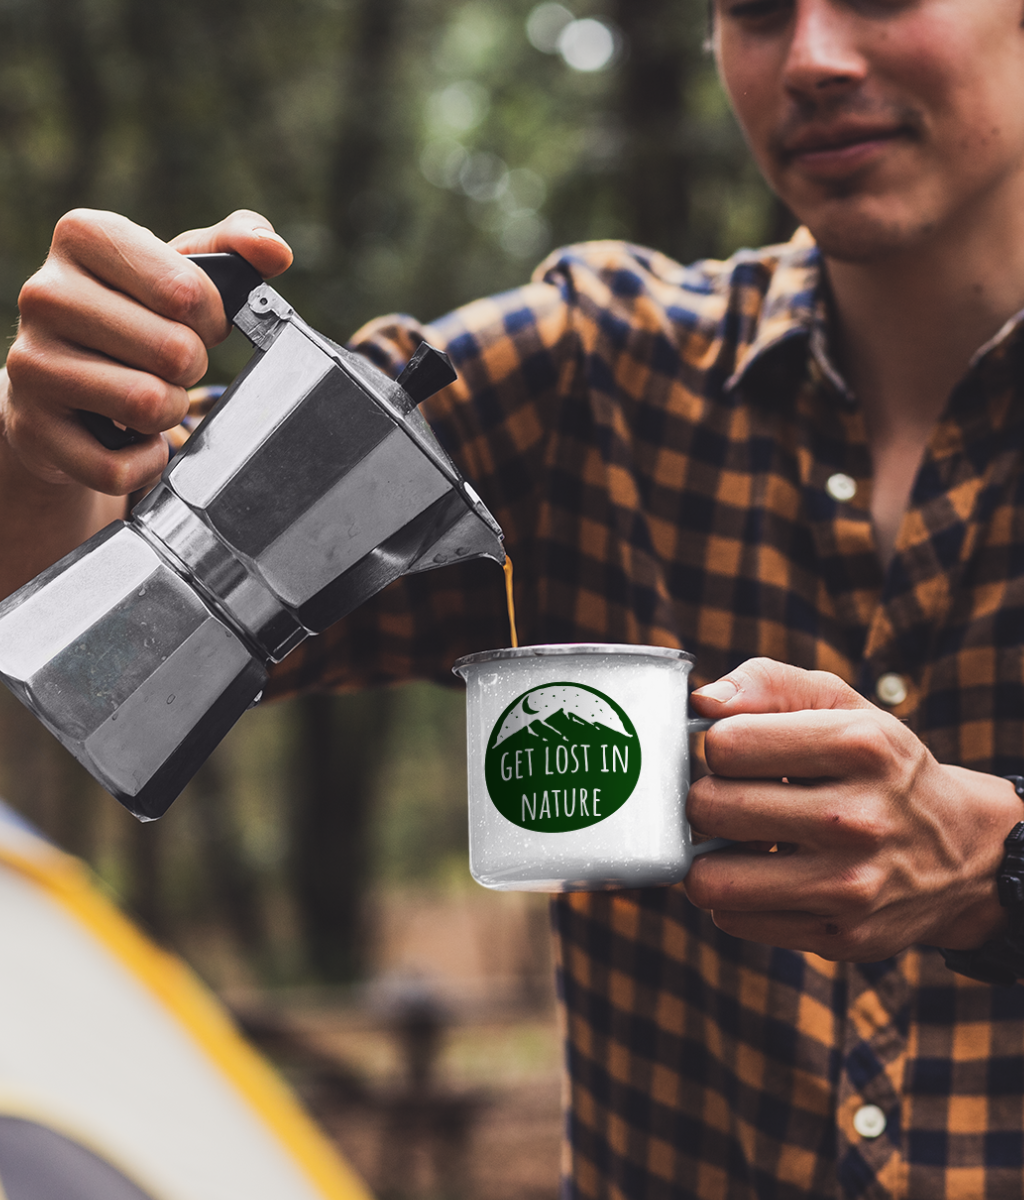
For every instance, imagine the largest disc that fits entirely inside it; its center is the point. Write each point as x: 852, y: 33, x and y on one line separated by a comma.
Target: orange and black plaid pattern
x: 657, y: 443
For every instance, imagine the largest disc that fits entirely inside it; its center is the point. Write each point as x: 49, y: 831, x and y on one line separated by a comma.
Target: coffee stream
x: 509, y: 600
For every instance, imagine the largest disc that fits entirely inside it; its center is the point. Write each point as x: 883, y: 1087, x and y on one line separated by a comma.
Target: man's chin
x: 859, y: 237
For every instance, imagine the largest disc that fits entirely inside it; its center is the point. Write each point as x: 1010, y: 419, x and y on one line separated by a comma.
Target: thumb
x: 761, y: 685
x: 248, y: 234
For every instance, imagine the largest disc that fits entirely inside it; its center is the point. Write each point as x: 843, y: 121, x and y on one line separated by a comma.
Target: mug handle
x: 701, y: 725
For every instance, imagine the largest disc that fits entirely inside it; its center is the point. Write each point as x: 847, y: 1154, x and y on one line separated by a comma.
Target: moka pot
x: 312, y: 484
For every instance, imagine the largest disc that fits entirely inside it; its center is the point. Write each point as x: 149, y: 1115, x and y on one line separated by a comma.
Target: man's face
x: 879, y: 122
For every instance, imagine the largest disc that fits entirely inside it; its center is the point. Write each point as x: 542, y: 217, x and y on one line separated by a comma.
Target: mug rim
x: 565, y: 649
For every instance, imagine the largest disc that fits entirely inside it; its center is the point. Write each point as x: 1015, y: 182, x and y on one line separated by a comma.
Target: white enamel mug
x: 579, y: 767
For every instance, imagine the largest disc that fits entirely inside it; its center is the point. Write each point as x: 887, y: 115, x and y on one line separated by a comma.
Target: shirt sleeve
x: 515, y: 354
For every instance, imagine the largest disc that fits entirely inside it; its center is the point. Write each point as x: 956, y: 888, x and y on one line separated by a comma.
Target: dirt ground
x: 439, y: 1080
x: 510, y: 1151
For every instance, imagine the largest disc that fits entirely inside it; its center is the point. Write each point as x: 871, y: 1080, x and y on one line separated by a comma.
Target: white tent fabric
x: 117, y: 1063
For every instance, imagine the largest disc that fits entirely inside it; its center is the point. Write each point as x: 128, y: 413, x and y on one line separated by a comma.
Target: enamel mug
x: 579, y: 767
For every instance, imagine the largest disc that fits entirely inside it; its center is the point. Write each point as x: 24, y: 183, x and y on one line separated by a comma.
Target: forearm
x: 42, y: 521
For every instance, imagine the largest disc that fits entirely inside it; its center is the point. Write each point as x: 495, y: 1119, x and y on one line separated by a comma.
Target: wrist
x: 43, y: 519
x: 1000, y: 959
x: 989, y: 807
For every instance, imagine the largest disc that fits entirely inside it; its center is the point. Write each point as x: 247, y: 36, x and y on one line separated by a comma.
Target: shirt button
x: 841, y: 487
x: 869, y: 1121
x: 891, y: 689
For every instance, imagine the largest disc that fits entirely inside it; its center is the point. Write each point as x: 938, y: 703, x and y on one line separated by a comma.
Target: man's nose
x: 823, y: 53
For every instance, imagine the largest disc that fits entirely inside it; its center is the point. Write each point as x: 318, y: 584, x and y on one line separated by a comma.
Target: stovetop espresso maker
x: 312, y: 484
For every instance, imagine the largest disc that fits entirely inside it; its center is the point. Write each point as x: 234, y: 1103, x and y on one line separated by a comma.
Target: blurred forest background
x: 416, y: 153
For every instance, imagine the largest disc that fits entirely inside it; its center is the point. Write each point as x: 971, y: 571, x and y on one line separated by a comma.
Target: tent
x: 121, y: 1077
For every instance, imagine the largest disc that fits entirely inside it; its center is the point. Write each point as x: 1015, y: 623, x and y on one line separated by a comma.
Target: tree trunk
x: 84, y: 98
x: 233, y: 886
x: 338, y: 747
x: 356, y: 213
x: 656, y: 173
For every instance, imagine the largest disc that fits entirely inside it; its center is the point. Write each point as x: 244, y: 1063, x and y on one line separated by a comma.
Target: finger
x: 764, y: 810
x: 809, y: 744
x: 68, y: 453
x: 829, y: 937
x: 735, y: 880
x: 130, y: 259
x: 248, y: 234
x: 79, y: 310
x: 49, y: 437
x: 762, y: 685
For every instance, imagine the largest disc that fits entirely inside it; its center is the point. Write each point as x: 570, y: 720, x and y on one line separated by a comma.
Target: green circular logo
x: 561, y: 757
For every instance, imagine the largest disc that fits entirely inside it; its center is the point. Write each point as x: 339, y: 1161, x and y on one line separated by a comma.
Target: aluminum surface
x: 312, y: 484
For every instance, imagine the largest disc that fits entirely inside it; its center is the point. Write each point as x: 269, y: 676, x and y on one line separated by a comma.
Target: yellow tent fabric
x: 114, y: 1051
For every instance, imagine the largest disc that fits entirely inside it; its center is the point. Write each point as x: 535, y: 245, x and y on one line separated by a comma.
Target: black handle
x: 427, y: 372
x: 234, y: 278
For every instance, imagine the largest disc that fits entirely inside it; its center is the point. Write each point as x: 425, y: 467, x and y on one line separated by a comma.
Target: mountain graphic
x: 564, y: 728
x: 543, y: 704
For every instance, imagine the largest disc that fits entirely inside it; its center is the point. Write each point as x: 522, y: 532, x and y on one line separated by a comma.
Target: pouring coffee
x: 313, y: 483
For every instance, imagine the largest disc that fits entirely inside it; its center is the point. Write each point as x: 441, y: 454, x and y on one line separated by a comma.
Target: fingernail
x: 721, y: 690
x: 269, y: 235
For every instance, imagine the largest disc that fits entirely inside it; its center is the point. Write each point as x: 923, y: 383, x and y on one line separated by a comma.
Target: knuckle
x: 40, y: 295
x: 73, y: 227
x: 856, y: 890
x: 720, y: 745
x: 836, y: 941
x: 122, y: 472
x: 863, y: 825
x: 731, y: 923
x: 698, y: 893
x: 174, y: 356
x: 852, y: 945
x: 246, y: 215
x: 115, y: 479
x: 143, y: 403
x: 179, y: 293
x: 20, y: 362
x: 701, y: 803
x: 28, y: 367
x: 753, y: 671
x: 832, y: 691
x: 865, y: 742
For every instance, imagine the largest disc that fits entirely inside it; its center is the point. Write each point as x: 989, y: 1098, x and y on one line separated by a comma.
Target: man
x: 805, y: 466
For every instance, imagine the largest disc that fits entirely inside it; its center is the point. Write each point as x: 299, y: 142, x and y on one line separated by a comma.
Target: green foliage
x: 329, y: 116
x: 420, y: 837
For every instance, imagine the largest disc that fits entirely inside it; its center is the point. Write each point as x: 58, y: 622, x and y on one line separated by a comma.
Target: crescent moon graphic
x: 532, y: 712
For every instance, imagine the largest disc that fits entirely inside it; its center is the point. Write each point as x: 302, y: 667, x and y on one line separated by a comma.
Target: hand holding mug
x: 878, y: 846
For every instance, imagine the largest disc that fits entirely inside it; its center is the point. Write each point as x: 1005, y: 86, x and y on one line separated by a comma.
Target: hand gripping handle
x: 702, y: 725
x: 234, y: 278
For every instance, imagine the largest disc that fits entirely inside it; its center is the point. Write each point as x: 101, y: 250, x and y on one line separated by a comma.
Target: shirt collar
x: 795, y: 306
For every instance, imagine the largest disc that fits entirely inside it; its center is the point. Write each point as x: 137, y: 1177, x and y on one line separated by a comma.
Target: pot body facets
x: 579, y: 765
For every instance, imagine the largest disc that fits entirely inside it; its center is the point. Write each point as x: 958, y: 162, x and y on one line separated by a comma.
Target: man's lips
x: 838, y: 147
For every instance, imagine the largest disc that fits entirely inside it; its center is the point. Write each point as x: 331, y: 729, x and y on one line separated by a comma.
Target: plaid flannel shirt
x: 660, y: 445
